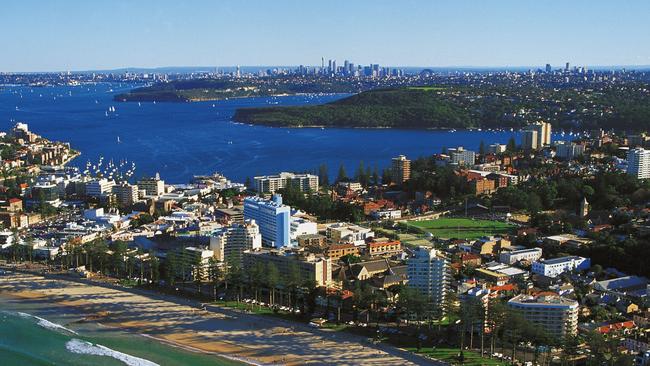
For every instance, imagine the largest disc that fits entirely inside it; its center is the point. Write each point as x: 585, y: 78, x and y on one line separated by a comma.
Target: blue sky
x: 82, y: 34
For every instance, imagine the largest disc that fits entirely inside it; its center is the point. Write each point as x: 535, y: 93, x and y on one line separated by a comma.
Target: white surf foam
x: 46, y: 323
x: 86, y: 348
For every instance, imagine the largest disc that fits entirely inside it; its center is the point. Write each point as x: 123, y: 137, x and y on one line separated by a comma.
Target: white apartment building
x: 638, y: 163
x: 428, y: 272
x: 461, y: 156
x: 300, y: 226
x: 197, y: 258
x: 126, y: 194
x: 99, y: 187
x: 496, y: 148
x: 557, y: 266
x: 514, y: 256
x: 557, y: 315
x: 310, y: 266
x: 569, y: 150
x: 230, y: 242
x: 272, y: 183
x: 153, y: 186
x: 344, y: 232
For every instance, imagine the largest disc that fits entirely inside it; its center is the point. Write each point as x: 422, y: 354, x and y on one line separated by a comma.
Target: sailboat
x: 118, y: 140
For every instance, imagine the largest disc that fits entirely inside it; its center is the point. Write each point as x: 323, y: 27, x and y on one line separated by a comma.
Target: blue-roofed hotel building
x: 272, y: 217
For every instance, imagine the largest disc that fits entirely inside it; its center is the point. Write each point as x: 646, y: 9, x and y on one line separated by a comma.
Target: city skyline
x: 113, y: 35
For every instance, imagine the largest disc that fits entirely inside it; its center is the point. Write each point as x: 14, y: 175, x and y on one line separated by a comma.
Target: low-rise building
x: 348, y: 233
x: 273, y: 183
x: 556, y: 266
x: 310, y: 266
x: 514, y: 256
x: 383, y: 247
x: 557, y: 315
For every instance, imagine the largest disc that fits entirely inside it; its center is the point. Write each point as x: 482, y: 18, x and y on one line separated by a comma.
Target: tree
x: 272, y: 281
x: 512, y: 145
x: 342, y: 176
x: 323, y: 175
x: 214, y: 275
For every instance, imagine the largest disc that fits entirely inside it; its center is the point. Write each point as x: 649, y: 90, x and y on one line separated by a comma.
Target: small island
x: 468, y: 107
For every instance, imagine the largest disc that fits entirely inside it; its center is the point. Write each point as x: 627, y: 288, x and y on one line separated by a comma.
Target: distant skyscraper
x: 638, y: 163
x: 566, y: 67
x: 548, y: 68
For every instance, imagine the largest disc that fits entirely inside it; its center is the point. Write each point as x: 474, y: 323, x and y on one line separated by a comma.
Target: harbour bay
x: 179, y: 140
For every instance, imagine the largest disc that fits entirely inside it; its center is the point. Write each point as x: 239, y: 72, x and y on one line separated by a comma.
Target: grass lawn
x: 462, y: 228
x: 450, y: 355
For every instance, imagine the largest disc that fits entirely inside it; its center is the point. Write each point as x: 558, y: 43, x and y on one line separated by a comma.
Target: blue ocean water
x: 179, y: 140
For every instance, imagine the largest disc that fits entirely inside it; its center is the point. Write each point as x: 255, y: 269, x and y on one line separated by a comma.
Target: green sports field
x: 462, y: 228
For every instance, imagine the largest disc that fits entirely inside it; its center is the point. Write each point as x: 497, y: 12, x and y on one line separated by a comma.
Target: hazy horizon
x: 104, y: 35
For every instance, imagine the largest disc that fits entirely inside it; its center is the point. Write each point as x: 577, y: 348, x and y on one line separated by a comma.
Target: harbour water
x: 179, y: 140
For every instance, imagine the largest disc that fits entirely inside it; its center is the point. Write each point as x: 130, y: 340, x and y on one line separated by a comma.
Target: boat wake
x: 86, y: 348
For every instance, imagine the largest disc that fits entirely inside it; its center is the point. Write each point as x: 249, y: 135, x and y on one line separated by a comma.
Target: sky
x: 62, y: 35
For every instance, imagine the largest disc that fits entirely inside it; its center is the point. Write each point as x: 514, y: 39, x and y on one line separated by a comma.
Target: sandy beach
x: 249, y: 338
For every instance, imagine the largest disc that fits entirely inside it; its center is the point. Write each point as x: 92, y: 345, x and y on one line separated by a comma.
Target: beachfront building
x: 428, y: 272
x: 198, y: 260
x: 401, y: 169
x: 556, y: 266
x: 272, y: 217
x: 310, y: 267
x: 153, y: 186
x: 557, y: 315
x: 230, y: 242
x: 638, y: 163
x: 514, y: 256
x: 272, y: 183
x: 343, y: 232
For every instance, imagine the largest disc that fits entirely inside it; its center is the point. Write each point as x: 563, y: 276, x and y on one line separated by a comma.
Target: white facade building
x: 300, y: 226
x: 514, y: 256
x: 429, y: 273
x: 272, y: 183
x: 557, y: 315
x: 461, y: 156
x: 557, y: 266
x: 99, y: 187
x: 230, y: 242
x: 638, y: 163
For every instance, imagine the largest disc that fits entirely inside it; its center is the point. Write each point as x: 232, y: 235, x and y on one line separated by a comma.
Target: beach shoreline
x: 245, y: 338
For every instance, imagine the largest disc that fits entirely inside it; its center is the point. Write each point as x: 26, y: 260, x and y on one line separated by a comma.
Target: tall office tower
x: 638, y: 163
x: 548, y: 68
x: 401, y: 168
x: 529, y: 140
x: 272, y: 217
x: 566, y: 67
x: 428, y: 272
